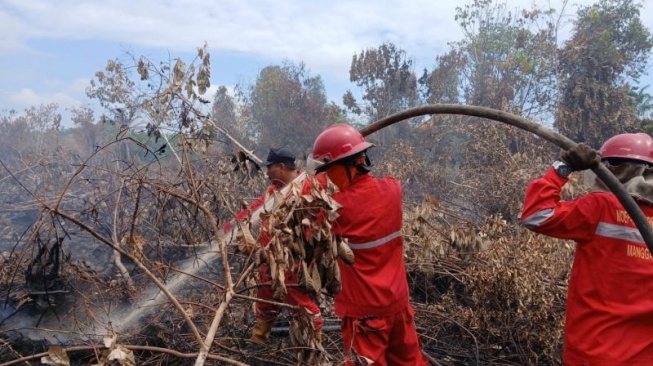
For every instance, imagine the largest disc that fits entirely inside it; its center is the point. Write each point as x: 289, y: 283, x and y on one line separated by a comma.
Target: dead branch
x: 214, y: 124
x: 114, y: 236
x: 140, y: 265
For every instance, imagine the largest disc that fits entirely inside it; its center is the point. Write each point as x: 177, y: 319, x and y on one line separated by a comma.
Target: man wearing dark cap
x: 281, y: 170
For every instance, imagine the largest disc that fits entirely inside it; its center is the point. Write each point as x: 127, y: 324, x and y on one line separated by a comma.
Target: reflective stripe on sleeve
x: 375, y: 243
x: 619, y: 232
x: 537, y: 218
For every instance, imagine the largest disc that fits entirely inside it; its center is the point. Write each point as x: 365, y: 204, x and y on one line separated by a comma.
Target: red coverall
x: 377, y: 319
x: 295, y: 295
x: 609, y: 320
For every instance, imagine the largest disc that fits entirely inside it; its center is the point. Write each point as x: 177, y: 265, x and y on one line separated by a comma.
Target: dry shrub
x: 150, y: 211
x: 492, y: 294
x: 479, y: 167
x: 487, y: 291
x: 514, y: 296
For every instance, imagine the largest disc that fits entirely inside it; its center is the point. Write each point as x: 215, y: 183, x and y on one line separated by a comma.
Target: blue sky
x: 49, y: 50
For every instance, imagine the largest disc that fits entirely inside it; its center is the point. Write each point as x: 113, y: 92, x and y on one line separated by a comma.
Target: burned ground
x: 485, y: 290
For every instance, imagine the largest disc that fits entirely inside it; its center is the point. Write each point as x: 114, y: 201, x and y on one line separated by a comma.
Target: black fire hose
x: 601, y: 171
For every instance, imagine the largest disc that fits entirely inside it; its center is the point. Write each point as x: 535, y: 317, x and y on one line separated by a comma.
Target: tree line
x: 587, y: 88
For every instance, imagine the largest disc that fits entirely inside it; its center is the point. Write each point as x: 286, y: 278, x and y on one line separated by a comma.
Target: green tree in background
x: 642, y: 102
x: 31, y: 151
x: 289, y: 107
x: 35, y: 131
x: 88, y: 132
x: 443, y: 83
x: 387, y: 80
x: 388, y: 84
x: 232, y: 116
x: 506, y: 60
x: 608, y: 50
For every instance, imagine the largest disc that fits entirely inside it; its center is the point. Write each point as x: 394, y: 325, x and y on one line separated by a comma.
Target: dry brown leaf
x: 56, y: 356
x: 345, y: 253
x: 123, y: 355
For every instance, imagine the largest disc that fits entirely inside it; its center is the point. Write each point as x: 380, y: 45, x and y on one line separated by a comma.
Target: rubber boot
x: 261, y: 331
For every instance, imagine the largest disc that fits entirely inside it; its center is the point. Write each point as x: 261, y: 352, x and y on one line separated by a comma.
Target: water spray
x: 601, y: 171
x: 151, y: 299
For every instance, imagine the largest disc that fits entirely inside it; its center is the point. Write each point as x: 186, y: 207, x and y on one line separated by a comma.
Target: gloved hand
x: 581, y: 157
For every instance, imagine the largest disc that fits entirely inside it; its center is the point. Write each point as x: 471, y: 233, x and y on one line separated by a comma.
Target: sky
x: 50, y: 50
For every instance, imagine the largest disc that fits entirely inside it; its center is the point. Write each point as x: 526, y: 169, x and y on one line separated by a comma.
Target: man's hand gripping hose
x: 520, y: 122
x: 517, y: 121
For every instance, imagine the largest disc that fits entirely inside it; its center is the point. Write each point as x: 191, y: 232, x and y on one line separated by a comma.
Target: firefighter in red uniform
x: 377, y: 319
x: 609, y: 318
x: 281, y: 170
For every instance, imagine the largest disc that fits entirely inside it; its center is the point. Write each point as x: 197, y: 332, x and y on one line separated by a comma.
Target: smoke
x: 73, y: 320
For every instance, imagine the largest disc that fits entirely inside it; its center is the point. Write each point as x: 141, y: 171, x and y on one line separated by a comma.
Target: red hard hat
x: 338, y: 142
x: 634, y: 146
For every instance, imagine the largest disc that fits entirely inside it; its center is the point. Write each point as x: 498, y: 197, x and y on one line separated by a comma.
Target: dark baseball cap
x: 279, y: 155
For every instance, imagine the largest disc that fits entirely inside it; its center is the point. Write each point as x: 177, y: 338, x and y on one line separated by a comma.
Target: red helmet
x: 633, y: 146
x: 338, y: 142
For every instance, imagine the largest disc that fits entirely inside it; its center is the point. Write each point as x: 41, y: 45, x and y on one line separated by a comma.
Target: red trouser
x: 383, y: 341
x: 295, y: 296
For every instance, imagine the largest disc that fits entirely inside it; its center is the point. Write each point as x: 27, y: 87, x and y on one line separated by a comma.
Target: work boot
x: 261, y: 331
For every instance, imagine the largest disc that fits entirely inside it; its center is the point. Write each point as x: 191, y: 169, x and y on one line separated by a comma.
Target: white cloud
x: 322, y: 33
x: 13, y: 32
x: 68, y: 96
